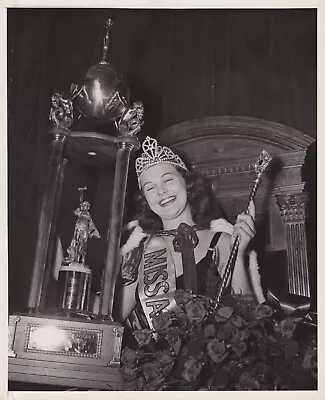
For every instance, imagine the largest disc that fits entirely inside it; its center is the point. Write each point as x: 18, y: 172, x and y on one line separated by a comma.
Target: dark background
x: 182, y: 64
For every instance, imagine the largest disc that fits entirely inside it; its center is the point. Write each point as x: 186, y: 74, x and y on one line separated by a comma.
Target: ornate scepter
x: 261, y: 164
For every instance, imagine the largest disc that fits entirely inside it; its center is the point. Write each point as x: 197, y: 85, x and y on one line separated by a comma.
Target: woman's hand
x: 245, y: 228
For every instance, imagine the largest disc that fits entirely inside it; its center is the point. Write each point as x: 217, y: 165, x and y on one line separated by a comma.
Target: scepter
x: 261, y: 164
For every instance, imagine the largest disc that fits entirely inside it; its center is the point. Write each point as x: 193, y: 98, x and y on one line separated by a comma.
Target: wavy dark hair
x: 200, y: 197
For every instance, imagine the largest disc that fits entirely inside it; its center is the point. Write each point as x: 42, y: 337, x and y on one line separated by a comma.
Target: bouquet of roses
x: 236, y: 345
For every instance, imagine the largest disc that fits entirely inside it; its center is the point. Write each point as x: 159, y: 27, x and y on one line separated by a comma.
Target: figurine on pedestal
x: 84, y: 230
x: 75, y: 275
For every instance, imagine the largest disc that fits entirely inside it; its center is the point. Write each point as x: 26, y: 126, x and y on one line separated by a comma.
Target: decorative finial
x: 262, y: 162
x: 108, y: 26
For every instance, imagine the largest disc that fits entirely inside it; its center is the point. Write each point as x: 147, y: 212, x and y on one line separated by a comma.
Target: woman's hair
x: 200, y: 199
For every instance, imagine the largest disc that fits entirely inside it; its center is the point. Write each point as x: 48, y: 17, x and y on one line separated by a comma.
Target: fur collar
x: 134, y: 239
x: 216, y: 225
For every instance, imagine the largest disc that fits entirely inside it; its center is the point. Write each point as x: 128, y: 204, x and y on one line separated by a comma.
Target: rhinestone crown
x: 154, y: 154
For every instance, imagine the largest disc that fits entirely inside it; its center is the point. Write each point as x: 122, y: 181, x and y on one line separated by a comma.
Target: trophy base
x: 74, y: 286
x: 65, y: 351
x: 71, y: 314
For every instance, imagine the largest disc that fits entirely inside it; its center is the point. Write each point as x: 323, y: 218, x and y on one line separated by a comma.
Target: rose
x: 309, y: 359
x: 262, y: 311
x: 140, y: 383
x: 216, y: 350
x: 128, y: 357
x: 183, y: 297
x: 195, y: 311
x: 286, y: 327
x: 310, y: 362
x: 235, y: 334
x: 222, y: 333
x: 248, y: 382
x: 238, y: 321
x: 314, y: 367
x: 142, y: 336
x: 192, y: 368
x: 179, y: 321
x: 165, y: 362
x: 239, y: 348
x: 223, y: 313
x: 156, y: 384
x: 228, y: 332
x: 220, y: 379
x: 128, y: 374
x: 209, y: 330
x: 244, y: 334
x: 161, y: 321
x: 175, y: 343
x: 151, y: 372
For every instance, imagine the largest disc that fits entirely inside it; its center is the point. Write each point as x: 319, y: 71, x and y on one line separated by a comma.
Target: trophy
x: 69, y: 345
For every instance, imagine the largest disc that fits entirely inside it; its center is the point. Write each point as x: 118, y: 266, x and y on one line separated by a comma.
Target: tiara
x: 154, y: 154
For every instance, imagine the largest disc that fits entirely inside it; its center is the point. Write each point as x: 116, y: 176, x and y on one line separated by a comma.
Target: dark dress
x: 208, y: 280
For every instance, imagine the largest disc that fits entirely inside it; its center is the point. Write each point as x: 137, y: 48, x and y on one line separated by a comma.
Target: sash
x: 157, y: 278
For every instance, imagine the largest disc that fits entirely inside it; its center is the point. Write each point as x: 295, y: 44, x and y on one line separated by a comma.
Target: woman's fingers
x: 243, y: 227
x: 244, y: 235
x: 246, y: 219
x: 251, y: 209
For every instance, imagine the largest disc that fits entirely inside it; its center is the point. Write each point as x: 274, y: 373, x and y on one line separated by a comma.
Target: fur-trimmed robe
x: 131, y: 254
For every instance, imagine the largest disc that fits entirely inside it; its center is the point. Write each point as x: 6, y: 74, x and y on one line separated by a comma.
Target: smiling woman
x: 178, y: 242
x: 164, y: 189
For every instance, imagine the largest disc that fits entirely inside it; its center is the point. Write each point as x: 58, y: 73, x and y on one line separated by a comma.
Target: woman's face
x: 165, y: 190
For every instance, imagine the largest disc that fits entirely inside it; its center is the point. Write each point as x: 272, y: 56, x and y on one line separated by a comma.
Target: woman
x: 152, y: 267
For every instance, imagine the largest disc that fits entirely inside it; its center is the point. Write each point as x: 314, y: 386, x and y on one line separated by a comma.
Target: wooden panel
x: 52, y: 373
x: 57, y: 381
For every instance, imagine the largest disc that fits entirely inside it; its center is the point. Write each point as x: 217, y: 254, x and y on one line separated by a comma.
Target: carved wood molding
x: 246, y: 164
x: 268, y: 132
x: 224, y: 149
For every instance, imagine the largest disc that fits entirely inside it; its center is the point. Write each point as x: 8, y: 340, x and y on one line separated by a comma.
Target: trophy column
x: 125, y: 145
x: 46, y: 225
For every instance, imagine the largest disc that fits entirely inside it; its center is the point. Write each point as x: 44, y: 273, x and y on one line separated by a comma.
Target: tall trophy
x: 72, y: 346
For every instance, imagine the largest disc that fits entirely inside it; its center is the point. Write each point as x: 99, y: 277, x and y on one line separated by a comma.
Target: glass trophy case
x: 69, y: 345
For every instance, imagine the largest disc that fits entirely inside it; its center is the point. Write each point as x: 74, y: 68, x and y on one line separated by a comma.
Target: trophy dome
x: 104, y: 94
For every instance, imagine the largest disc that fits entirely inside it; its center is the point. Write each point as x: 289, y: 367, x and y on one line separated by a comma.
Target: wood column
x: 293, y: 213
